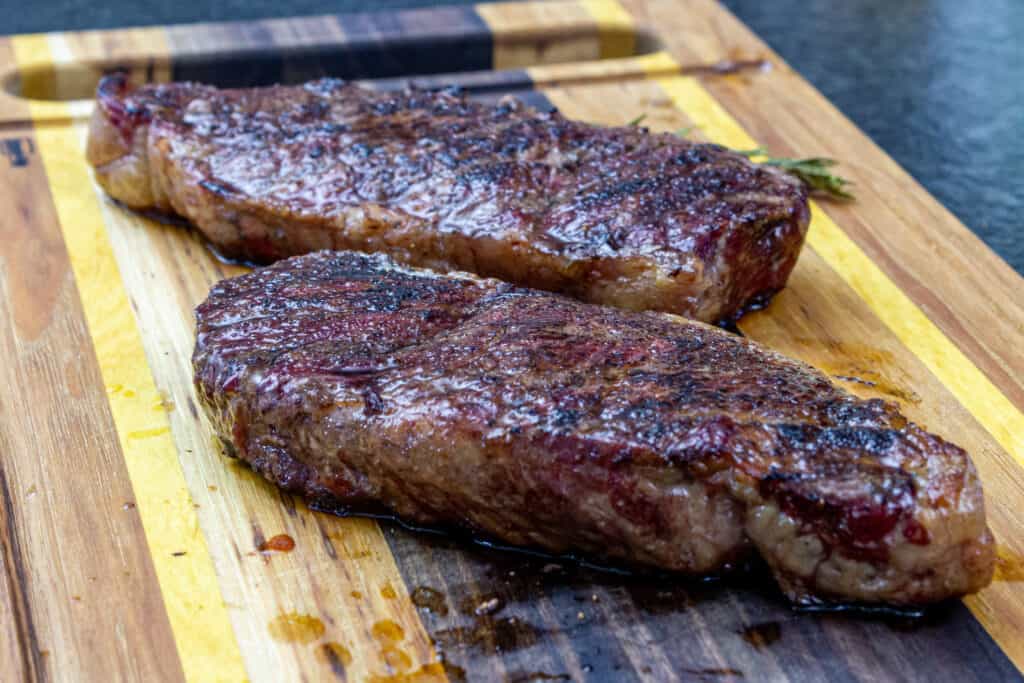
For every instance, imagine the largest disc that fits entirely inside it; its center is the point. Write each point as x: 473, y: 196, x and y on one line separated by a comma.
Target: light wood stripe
x: 553, y: 75
x: 68, y: 76
x: 206, y: 643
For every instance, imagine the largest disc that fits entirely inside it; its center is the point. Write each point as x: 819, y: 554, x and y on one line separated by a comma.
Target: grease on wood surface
x: 1009, y: 565
x: 389, y: 636
x: 430, y: 599
x: 489, y: 636
x: 296, y: 628
x: 387, y: 631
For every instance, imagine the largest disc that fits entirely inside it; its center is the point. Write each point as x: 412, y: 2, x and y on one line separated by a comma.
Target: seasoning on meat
x: 618, y: 216
x: 543, y: 421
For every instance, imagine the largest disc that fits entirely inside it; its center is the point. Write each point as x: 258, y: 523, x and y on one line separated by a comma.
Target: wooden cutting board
x: 131, y: 546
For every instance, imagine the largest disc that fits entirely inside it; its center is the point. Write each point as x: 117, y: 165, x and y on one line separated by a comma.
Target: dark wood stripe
x: 75, y: 555
x: 254, y: 53
x: 416, y: 42
x: 349, y: 46
x: 664, y: 628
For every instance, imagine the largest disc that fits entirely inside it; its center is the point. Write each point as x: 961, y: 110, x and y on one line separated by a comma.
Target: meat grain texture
x: 616, y: 215
x: 641, y: 438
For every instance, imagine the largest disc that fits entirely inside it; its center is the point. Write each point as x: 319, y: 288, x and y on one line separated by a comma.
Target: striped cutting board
x: 132, y: 548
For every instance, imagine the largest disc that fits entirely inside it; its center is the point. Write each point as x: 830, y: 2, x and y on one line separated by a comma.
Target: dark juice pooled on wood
x: 762, y: 635
x: 430, y: 599
x: 489, y: 636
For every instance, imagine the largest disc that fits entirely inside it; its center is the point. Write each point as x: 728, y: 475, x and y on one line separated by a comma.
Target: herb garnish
x: 813, y: 171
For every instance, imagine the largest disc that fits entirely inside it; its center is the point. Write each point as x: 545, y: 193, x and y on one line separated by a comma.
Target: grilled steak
x: 617, y: 216
x: 543, y: 421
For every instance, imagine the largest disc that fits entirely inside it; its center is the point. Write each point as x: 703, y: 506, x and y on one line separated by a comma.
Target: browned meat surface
x: 617, y: 216
x: 543, y: 421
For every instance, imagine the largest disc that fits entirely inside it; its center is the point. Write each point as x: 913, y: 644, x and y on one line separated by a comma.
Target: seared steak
x: 609, y: 215
x: 543, y: 421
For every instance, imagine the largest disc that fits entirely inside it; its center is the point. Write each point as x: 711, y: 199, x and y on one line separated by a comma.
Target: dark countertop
x: 939, y: 84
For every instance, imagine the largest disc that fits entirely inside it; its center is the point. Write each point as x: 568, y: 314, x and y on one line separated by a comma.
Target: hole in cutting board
x: 441, y: 55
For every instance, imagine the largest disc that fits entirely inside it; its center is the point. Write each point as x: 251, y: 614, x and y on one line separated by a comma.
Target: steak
x: 617, y: 216
x: 637, y: 437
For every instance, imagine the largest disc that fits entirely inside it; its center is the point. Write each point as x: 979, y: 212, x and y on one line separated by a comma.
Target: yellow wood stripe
x: 614, y: 25
x: 202, y: 631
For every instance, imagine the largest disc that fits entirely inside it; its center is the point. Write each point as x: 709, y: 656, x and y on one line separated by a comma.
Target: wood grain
x: 281, y: 619
x: 60, y: 71
x: 139, y: 409
x: 20, y: 656
x: 81, y: 597
x: 341, y: 573
x: 96, y: 315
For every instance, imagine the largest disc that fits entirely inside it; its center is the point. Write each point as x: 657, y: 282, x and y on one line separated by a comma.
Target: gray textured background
x: 939, y: 84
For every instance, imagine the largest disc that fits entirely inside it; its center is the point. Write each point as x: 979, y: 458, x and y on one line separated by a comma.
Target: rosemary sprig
x: 638, y: 120
x: 812, y: 171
